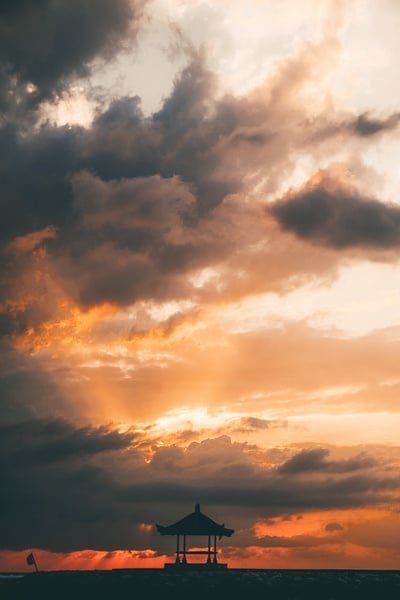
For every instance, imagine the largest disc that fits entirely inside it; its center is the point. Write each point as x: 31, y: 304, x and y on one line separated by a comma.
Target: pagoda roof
x: 197, y: 523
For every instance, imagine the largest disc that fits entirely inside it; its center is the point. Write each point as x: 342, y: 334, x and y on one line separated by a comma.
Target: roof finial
x: 197, y: 507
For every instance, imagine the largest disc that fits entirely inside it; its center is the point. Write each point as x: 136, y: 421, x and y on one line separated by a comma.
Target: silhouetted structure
x: 196, y: 524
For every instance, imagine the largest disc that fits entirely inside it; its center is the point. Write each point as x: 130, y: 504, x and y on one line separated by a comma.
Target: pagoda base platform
x: 196, y: 566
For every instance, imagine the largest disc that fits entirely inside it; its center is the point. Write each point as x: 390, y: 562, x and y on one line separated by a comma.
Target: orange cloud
x: 69, y: 327
x: 30, y: 241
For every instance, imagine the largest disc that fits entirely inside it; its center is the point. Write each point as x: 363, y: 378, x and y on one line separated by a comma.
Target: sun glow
x: 193, y: 418
x: 72, y: 108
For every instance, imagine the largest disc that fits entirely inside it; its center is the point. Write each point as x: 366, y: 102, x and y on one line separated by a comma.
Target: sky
x: 200, y: 280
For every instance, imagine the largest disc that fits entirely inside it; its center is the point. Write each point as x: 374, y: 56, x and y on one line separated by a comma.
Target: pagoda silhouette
x: 196, y: 524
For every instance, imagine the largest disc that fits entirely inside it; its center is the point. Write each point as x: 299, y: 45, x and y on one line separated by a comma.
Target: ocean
x: 130, y: 584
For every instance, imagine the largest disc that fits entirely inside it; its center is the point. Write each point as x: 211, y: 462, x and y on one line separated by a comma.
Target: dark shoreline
x: 274, y: 584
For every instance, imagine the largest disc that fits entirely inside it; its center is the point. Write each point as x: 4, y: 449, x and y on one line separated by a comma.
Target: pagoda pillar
x: 184, y: 561
x: 209, y: 550
x: 177, y: 560
x: 215, y: 550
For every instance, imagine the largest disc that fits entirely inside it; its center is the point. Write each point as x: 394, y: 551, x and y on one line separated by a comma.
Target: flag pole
x: 35, y: 563
x: 31, y: 560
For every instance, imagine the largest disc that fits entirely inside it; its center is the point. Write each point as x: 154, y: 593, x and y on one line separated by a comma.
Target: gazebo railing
x: 184, y: 551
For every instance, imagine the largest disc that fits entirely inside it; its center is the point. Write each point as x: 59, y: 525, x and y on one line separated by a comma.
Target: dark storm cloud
x: 142, y: 227
x: 366, y: 125
x: 34, y: 172
x: 363, y: 125
x: 48, y: 41
x: 161, y: 177
x: 270, y: 495
x: 333, y: 526
x: 182, y: 138
x: 187, y: 148
x: 56, y: 491
x: 253, y: 424
x: 66, y: 487
x: 316, y: 459
x: 338, y: 219
x: 57, y: 440
x: 158, y: 176
x: 121, y: 144
x: 26, y: 390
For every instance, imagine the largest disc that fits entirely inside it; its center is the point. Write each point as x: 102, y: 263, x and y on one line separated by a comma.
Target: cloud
x: 199, y: 166
x: 295, y: 541
x: 141, y: 226
x: 333, y: 526
x: 43, y: 44
x: 46, y: 157
x: 197, y: 134
x: 27, y: 389
x: 182, y: 138
x: 365, y: 125
x: 29, y: 242
x: 381, y: 532
x: 70, y: 487
x: 252, y: 424
x: 331, y: 215
x: 346, y: 373
x: 354, y: 127
x: 186, y: 149
x: 59, y: 491
x: 315, y: 459
x: 57, y: 440
x: 260, y: 493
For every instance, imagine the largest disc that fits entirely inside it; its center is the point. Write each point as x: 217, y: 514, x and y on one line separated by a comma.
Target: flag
x: 30, y: 560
